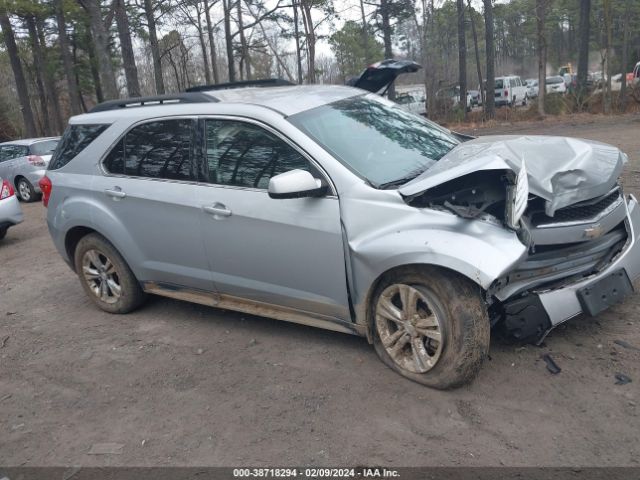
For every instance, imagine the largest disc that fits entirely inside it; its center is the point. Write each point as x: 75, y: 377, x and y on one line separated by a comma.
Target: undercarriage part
x: 525, y: 319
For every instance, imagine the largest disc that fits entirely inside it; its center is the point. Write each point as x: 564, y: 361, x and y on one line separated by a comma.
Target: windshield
x: 375, y: 139
x: 554, y: 80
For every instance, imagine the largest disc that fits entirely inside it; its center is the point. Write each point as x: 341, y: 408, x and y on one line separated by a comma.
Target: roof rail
x: 173, y: 98
x: 266, y: 82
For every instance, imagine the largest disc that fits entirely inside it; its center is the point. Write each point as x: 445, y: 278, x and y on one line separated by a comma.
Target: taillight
x: 45, y: 186
x: 7, y: 190
x: 36, y: 161
x: 506, y: 93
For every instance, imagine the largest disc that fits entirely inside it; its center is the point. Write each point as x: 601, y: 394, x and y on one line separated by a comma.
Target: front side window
x: 246, y: 155
x: 377, y: 140
x: 162, y: 149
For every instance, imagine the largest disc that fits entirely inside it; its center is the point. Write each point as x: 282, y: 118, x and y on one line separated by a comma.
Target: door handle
x: 217, y: 210
x: 115, y: 192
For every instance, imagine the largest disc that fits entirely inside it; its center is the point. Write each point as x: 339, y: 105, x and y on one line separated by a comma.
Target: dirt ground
x: 182, y: 384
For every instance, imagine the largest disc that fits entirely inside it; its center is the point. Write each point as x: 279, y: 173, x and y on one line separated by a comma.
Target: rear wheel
x: 105, y: 276
x: 431, y: 326
x: 26, y: 191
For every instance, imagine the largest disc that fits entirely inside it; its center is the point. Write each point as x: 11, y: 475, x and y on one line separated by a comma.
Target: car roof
x: 286, y: 100
x: 29, y: 141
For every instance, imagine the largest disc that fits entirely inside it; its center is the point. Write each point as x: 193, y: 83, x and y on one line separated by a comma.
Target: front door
x: 283, y: 252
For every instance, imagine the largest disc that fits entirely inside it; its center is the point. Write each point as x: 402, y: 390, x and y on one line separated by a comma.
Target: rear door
x: 149, y: 189
x: 283, y: 252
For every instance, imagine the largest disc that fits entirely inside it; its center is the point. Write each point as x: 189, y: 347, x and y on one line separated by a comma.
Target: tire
x: 449, y: 307
x: 105, y: 276
x: 26, y: 192
x: 525, y: 102
x: 3, y: 232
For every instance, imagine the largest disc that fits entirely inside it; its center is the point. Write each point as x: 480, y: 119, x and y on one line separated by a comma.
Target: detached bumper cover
x: 567, y: 302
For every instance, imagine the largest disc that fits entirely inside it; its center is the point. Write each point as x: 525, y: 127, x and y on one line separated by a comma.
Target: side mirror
x: 295, y: 184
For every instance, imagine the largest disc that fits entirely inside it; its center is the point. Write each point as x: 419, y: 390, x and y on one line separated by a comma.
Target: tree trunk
x: 38, y: 66
x: 67, y: 62
x: 310, y: 35
x: 155, y: 48
x: 93, y: 65
x: 489, y: 91
x: 49, y: 82
x: 296, y: 30
x: 386, y: 35
x: 606, y: 8
x: 212, y: 43
x: 541, y: 12
x: 18, y: 73
x: 625, y: 56
x: 477, y: 52
x: 365, y: 35
x: 462, y: 57
x: 128, y: 58
x: 228, y: 38
x: 583, y: 50
x: 203, y: 47
x: 243, y: 43
x: 101, y: 44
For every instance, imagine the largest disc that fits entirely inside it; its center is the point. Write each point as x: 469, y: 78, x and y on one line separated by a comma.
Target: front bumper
x: 10, y: 212
x: 563, y: 303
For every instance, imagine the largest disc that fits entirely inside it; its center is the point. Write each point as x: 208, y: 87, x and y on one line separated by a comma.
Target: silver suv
x: 24, y: 162
x: 332, y: 207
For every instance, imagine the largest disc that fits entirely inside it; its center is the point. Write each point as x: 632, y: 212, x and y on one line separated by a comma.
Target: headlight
x: 517, y: 197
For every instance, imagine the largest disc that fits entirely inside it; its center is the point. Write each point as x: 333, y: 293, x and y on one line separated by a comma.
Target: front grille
x: 583, y: 211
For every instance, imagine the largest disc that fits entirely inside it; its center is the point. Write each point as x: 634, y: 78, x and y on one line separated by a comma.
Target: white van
x: 511, y: 91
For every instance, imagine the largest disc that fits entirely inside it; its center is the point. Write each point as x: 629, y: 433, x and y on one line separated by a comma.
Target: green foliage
x: 349, y: 48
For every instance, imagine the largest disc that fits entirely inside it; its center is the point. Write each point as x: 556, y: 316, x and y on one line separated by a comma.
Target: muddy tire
x: 430, y: 325
x: 105, y: 276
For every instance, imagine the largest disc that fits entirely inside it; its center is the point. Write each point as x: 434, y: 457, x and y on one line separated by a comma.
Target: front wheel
x: 431, y: 326
x: 525, y: 102
x: 105, y: 276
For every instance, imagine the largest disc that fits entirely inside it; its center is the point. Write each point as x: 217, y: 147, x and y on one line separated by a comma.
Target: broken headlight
x: 517, y: 197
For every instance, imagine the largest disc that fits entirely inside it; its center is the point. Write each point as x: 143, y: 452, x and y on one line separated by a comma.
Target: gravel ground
x: 181, y: 384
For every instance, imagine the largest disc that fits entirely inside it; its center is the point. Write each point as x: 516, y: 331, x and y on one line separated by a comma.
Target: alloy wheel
x: 101, y: 276
x: 409, y: 329
x: 24, y: 190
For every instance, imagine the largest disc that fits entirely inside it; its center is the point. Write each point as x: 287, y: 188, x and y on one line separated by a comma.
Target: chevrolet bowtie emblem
x: 593, y: 232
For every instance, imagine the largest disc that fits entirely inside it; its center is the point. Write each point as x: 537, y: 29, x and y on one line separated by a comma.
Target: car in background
x: 510, y: 91
x: 476, y: 98
x: 636, y: 74
x: 10, y: 211
x: 532, y: 87
x: 24, y: 162
x: 555, y: 84
x: 412, y: 101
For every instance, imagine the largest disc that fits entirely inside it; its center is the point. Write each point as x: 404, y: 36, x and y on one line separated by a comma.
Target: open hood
x: 377, y: 78
x: 561, y: 170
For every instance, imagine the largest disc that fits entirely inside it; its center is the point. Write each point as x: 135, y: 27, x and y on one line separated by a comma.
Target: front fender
x: 479, y: 250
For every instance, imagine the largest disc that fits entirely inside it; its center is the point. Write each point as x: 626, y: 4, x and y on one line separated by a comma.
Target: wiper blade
x: 398, y: 182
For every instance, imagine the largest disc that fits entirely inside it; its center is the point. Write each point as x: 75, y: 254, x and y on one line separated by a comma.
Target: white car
x: 555, y: 84
x: 532, y: 87
x: 10, y: 211
x: 510, y: 91
x: 413, y: 102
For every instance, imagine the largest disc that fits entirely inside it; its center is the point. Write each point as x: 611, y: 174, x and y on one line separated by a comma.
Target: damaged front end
x: 568, y: 211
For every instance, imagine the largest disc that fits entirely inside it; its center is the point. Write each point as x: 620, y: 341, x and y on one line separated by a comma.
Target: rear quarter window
x: 43, y: 148
x: 75, y: 139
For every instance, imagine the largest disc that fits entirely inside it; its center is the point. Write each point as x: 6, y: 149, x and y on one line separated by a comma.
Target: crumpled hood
x: 561, y: 170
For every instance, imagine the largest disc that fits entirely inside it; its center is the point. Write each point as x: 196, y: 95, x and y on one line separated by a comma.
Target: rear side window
x: 43, y: 148
x: 162, y: 149
x: 75, y: 139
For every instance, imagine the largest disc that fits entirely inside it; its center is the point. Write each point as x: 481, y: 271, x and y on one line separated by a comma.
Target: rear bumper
x: 10, y: 212
x: 563, y: 304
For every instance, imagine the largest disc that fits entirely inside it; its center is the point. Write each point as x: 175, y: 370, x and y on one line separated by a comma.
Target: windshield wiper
x: 399, y: 181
